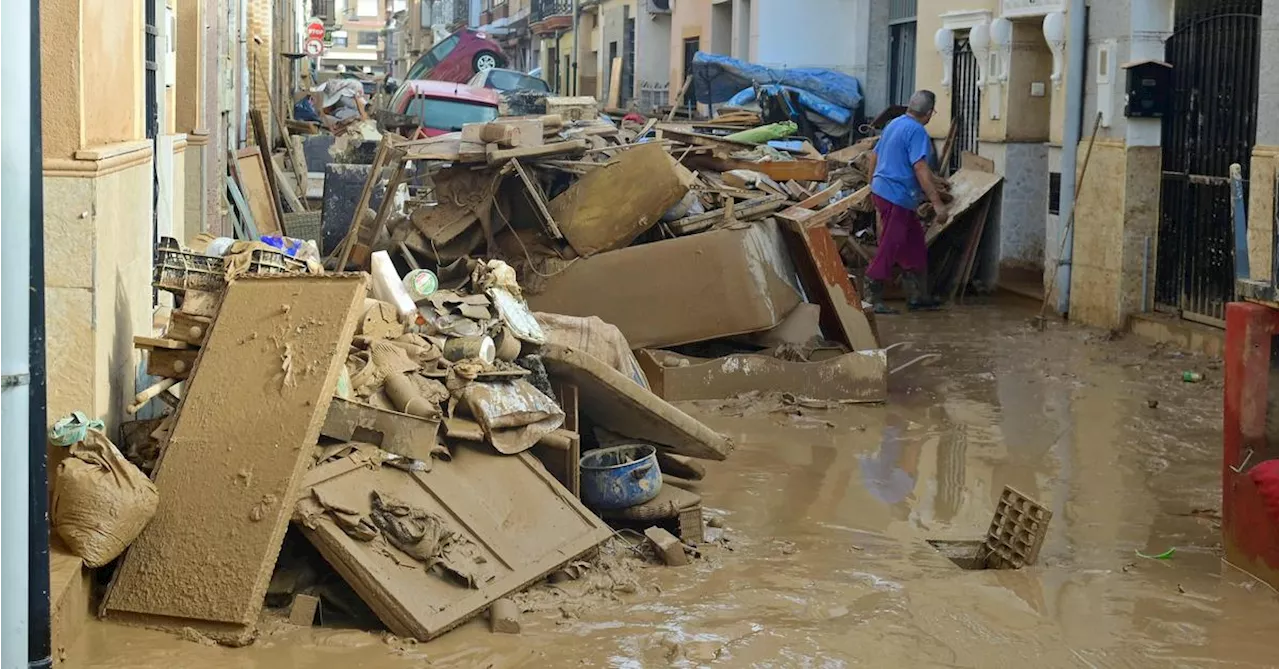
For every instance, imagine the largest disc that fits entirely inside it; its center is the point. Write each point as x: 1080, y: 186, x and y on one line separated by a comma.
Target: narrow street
x: 823, y: 560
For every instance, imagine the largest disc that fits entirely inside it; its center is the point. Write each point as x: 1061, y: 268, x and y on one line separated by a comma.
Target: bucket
x: 620, y: 476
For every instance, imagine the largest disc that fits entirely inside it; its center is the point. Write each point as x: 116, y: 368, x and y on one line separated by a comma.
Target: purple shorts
x: 901, y: 241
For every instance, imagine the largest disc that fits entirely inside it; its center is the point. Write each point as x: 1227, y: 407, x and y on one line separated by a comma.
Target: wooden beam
x: 778, y: 170
x: 500, y: 156
x: 812, y: 219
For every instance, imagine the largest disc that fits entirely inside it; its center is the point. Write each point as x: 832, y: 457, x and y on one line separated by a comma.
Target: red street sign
x: 315, y: 30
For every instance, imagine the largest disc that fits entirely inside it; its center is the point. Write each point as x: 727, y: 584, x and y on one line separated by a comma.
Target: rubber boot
x: 918, y: 298
x: 875, y: 294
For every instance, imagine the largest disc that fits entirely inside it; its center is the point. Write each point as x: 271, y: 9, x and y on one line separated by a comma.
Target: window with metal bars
x: 902, y: 50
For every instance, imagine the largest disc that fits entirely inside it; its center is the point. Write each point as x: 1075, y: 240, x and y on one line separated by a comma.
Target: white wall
x: 823, y: 34
x: 653, y: 59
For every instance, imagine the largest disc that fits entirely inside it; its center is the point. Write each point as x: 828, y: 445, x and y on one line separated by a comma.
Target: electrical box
x: 1148, y: 85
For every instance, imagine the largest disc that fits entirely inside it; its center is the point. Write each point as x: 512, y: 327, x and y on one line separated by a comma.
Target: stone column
x: 1262, y: 170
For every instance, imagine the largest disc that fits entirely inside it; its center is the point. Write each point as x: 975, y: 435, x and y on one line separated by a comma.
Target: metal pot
x: 620, y: 476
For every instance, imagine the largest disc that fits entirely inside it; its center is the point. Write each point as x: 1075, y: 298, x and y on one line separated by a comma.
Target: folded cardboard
x: 714, y: 284
x: 860, y: 376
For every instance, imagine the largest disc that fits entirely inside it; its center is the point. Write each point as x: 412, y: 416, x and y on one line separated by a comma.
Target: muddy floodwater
x: 823, y: 559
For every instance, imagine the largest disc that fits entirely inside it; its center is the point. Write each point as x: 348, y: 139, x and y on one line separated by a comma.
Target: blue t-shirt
x: 904, y: 143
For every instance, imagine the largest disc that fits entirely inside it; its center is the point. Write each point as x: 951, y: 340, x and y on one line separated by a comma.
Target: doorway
x: 690, y: 49
x: 1211, y: 124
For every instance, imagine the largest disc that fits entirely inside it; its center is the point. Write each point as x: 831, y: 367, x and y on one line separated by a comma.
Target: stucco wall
x: 876, y: 83
x: 111, y: 73
x: 612, y: 28
x: 1269, y: 75
x: 98, y: 259
x: 653, y: 59
x: 193, y: 200
x: 1117, y: 220
x: 1027, y: 116
x: 822, y: 35
x: 1262, y: 211
x: 1097, y: 250
x: 1108, y: 24
x: 689, y: 19
x: 189, y: 92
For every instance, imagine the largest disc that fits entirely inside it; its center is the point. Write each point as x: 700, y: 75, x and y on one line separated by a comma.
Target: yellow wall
x: 189, y: 93
x: 689, y: 18
x: 1117, y: 216
x: 1027, y: 117
x: 1262, y: 213
x: 111, y: 71
x: 98, y: 286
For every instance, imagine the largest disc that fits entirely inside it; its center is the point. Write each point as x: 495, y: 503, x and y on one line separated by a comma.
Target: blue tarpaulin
x: 810, y: 101
x: 717, y: 78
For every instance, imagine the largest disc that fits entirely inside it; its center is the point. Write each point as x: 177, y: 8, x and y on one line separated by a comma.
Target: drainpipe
x: 17, y: 131
x: 1077, y: 40
x: 576, y: 38
x: 40, y: 639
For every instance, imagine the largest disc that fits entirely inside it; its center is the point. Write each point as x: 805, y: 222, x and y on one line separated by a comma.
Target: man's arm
x: 924, y: 176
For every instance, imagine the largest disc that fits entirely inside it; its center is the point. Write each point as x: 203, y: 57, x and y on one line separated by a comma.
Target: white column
x: 16, y: 90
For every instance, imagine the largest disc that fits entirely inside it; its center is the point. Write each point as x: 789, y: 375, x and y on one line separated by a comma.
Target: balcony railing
x: 543, y: 9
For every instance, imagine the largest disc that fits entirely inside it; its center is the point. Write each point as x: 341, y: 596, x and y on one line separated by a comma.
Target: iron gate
x: 966, y: 101
x: 1211, y: 124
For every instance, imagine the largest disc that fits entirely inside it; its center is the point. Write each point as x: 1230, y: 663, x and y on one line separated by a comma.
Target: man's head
x: 920, y: 106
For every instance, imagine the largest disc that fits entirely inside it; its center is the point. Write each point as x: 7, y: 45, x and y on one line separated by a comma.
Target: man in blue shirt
x: 900, y: 181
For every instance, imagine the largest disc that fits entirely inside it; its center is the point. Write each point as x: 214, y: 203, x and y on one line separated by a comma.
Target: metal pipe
x: 576, y: 38
x: 19, y: 133
x: 40, y: 636
x: 1077, y: 40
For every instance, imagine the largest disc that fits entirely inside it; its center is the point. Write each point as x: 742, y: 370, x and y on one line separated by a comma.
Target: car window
x: 450, y: 114
x: 433, y: 57
x: 506, y: 80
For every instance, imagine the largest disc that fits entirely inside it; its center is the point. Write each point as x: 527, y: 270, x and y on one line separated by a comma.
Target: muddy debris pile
x: 437, y: 444
x: 461, y: 380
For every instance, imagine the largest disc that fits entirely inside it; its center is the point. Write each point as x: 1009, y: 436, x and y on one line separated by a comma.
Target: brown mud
x: 824, y: 560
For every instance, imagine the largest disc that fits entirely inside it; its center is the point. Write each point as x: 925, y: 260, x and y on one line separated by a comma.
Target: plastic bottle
x: 420, y: 283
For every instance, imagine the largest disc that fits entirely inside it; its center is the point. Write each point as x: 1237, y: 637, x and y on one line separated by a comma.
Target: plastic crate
x: 179, y: 271
x: 304, y: 225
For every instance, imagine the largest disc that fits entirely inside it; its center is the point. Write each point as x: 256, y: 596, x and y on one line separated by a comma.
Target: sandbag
x: 101, y: 501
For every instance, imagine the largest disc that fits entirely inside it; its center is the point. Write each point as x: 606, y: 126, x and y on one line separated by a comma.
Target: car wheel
x: 485, y: 60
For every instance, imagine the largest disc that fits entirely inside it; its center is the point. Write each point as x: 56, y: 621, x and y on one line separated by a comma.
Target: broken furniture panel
x: 736, y: 280
x: 399, y: 433
x: 229, y: 472
x: 611, y: 205
x: 609, y: 398
x: 826, y: 281
x: 515, y: 521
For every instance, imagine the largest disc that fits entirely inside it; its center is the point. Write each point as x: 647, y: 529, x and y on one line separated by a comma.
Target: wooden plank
x: 745, y: 211
x: 687, y: 135
x: 479, y: 495
x: 140, y: 341
x: 268, y: 164
x: 778, y: 170
x: 500, y: 156
x: 187, y: 327
x: 171, y: 364
x: 609, y: 207
x: 829, y: 213
x: 965, y: 270
x: 821, y: 197
x: 615, y: 84
x: 825, y: 280
x: 972, y: 161
x: 611, y: 398
x: 256, y: 189
x: 967, y: 187
x: 230, y: 470
x: 539, y: 200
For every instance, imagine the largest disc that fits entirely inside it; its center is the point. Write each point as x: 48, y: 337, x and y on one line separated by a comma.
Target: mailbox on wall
x: 1147, y: 88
